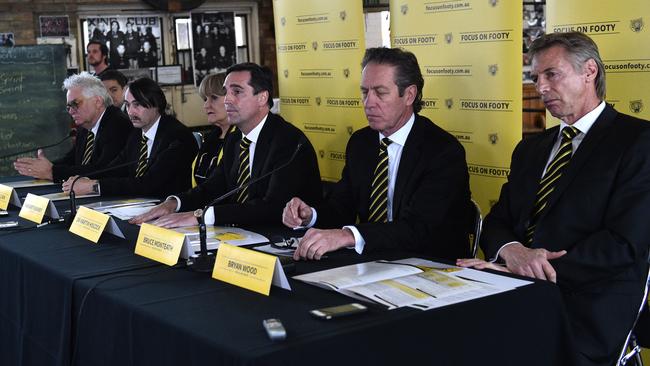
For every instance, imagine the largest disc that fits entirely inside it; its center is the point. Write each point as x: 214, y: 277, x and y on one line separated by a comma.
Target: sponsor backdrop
x: 470, y: 55
x: 623, y: 36
x: 320, y: 45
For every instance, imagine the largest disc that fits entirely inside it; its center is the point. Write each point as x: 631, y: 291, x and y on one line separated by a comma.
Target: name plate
x: 249, y: 269
x: 8, y: 195
x: 90, y: 224
x: 159, y: 244
x: 35, y: 207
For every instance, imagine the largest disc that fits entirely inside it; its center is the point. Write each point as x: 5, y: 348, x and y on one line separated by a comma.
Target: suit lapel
x: 160, y: 134
x: 262, y: 146
x: 533, y: 173
x: 597, y: 132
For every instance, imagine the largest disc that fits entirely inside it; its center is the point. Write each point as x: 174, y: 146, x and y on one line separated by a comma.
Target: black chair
x: 475, y: 227
x: 639, y: 335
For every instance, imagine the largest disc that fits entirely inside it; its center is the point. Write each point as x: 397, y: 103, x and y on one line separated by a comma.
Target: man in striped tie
x: 574, y: 210
x: 405, y: 184
x: 157, y: 158
x: 102, y: 130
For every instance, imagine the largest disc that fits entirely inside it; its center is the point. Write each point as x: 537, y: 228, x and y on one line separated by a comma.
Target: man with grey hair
x: 574, y: 210
x: 102, y: 130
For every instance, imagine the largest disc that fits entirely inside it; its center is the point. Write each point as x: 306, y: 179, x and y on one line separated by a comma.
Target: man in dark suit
x: 101, y: 132
x: 405, y: 183
x: 262, y: 142
x: 160, y: 149
x: 575, y: 206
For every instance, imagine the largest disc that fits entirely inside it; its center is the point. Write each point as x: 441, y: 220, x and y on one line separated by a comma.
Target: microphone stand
x: 204, y: 261
x: 37, y: 148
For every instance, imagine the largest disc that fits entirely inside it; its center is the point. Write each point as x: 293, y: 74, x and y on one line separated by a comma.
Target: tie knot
x: 90, y: 134
x: 383, y: 144
x: 244, y: 143
x: 144, y: 139
x: 569, y: 132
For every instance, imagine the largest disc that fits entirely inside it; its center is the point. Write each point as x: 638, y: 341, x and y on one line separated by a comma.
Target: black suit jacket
x: 597, y: 213
x: 275, y: 146
x: 431, y: 200
x: 114, y: 128
x: 169, y: 167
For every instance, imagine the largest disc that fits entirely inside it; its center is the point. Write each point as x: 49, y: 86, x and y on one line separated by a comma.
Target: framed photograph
x: 70, y: 44
x: 214, y: 47
x: 134, y: 42
x: 7, y: 40
x: 54, y: 26
x: 169, y: 75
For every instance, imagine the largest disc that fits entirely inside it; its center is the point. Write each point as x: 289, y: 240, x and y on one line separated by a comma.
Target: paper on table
x: 61, y: 196
x: 129, y: 212
x: 103, y: 206
x: 357, y: 274
x: 216, y: 235
x: 30, y: 183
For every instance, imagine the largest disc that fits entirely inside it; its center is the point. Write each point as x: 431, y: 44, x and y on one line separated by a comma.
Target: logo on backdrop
x: 493, y: 2
x: 350, y: 130
x: 346, y: 73
x: 636, y: 25
x: 492, y: 69
x: 321, y: 153
x: 314, y: 45
x: 636, y: 106
x: 449, y: 103
x: 283, y: 21
x: 493, y: 137
x: 286, y: 73
x: 342, y: 15
x: 449, y: 37
x: 404, y: 9
x: 318, y: 100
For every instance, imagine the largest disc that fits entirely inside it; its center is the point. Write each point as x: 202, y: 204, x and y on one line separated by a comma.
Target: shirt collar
x: 99, y: 120
x: 151, y: 134
x: 584, y: 124
x: 255, y: 132
x: 399, y: 137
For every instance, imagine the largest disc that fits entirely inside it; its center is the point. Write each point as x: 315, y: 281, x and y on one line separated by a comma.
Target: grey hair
x: 90, y: 86
x: 580, y: 48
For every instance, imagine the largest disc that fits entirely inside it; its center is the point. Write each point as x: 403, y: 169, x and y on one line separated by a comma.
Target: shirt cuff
x: 178, y: 202
x: 496, y: 256
x: 209, y: 216
x: 314, y: 217
x: 359, y: 243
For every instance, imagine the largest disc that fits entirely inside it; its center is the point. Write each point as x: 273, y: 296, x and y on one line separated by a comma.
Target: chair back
x: 475, y: 227
x: 198, y: 136
x: 631, y: 343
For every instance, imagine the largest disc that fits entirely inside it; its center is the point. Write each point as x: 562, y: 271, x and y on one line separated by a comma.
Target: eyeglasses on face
x: 74, y: 105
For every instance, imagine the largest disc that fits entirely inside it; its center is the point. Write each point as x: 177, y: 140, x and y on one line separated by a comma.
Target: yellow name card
x: 89, y: 224
x: 34, y: 208
x: 159, y: 244
x: 6, y: 193
x: 249, y: 269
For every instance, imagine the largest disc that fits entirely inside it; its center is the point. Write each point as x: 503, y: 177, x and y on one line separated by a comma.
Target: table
x: 143, y: 313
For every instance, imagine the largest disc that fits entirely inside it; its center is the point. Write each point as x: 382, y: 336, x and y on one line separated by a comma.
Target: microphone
x: 204, y: 261
x: 70, y: 134
x: 73, y: 205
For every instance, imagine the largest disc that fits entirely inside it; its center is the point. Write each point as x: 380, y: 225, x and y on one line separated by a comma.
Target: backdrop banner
x: 470, y: 55
x: 320, y: 45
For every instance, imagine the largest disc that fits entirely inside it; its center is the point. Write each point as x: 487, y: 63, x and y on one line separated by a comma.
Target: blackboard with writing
x: 32, y: 103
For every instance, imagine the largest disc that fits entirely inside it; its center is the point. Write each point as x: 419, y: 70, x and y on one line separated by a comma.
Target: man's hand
x: 177, y: 220
x: 480, y: 264
x: 317, y: 242
x: 296, y: 213
x: 165, y: 208
x: 530, y: 262
x: 39, y: 167
x: 82, y: 186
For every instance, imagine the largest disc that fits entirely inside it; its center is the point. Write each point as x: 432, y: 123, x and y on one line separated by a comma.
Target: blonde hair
x: 212, y: 85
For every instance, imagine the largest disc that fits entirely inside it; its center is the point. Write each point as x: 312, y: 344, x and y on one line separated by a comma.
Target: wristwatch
x: 198, y: 213
x: 96, y: 187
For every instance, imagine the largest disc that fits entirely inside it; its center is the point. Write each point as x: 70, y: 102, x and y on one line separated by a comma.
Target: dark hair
x: 407, y: 69
x: 102, y: 48
x: 111, y: 74
x: 580, y: 49
x: 147, y: 92
x: 261, y: 78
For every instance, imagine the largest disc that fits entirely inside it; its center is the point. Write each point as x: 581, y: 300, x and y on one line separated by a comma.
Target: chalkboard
x: 32, y: 103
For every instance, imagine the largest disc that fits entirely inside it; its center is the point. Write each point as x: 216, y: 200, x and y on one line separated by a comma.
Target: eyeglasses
x: 281, y: 243
x: 74, y: 105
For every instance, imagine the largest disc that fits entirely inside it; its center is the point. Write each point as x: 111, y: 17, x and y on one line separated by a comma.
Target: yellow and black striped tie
x: 142, y: 160
x: 244, y: 172
x: 379, y: 188
x: 553, y: 172
x: 90, y: 146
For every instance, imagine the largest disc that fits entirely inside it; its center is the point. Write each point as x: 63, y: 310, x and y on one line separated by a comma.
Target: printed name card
x: 35, y: 207
x: 8, y: 195
x: 159, y: 244
x: 249, y: 269
x: 90, y: 224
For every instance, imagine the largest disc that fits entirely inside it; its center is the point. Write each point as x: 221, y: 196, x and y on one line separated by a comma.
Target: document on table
x: 30, y: 183
x: 216, y: 235
x: 61, y: 196
x: 412, y: 282
x: 124, y: 209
